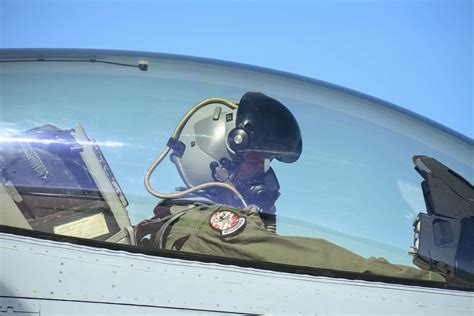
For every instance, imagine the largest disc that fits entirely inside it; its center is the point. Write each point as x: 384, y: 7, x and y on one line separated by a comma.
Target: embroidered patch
x: 227, y: 222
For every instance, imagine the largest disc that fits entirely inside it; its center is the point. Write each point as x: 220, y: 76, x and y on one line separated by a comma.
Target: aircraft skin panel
x: 19, y: 306
x: 65, y: 278
x: 32, y: 307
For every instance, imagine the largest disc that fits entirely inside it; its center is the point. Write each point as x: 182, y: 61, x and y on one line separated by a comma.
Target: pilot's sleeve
x: 222, y: 231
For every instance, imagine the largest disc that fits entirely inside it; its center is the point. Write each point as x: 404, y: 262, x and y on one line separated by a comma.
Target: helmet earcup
x: 238, y: 139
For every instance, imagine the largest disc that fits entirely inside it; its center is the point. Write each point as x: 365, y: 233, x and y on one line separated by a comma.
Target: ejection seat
x: 58, y: 181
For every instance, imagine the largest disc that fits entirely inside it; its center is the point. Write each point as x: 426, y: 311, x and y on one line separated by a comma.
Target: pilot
x: 223, y: 151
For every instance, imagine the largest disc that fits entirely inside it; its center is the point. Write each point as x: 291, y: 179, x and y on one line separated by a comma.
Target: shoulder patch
x: 226, y: 222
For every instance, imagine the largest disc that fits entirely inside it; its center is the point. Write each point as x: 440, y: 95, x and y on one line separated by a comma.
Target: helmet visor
x: 272, y: 128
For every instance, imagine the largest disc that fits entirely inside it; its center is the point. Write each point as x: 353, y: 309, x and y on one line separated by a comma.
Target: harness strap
x: 124, y: 236
x: 157, y: 226
x: 159, y: 240
x: 131, y: 235
x: 149, y: 226
x: 118, y: 237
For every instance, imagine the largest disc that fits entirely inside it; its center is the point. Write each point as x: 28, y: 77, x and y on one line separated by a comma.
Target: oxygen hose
x: 175, y: 137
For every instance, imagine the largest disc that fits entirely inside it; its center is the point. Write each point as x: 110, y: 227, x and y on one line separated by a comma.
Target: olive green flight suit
x: 190, y: 231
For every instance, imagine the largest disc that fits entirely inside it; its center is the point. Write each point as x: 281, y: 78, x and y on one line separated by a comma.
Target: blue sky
x: 416, y: 54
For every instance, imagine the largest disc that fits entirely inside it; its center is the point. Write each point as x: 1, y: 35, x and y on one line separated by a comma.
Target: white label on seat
x: 89, y: 227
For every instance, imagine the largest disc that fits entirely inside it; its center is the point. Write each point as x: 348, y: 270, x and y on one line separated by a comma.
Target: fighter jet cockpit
x: 232, y: 164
